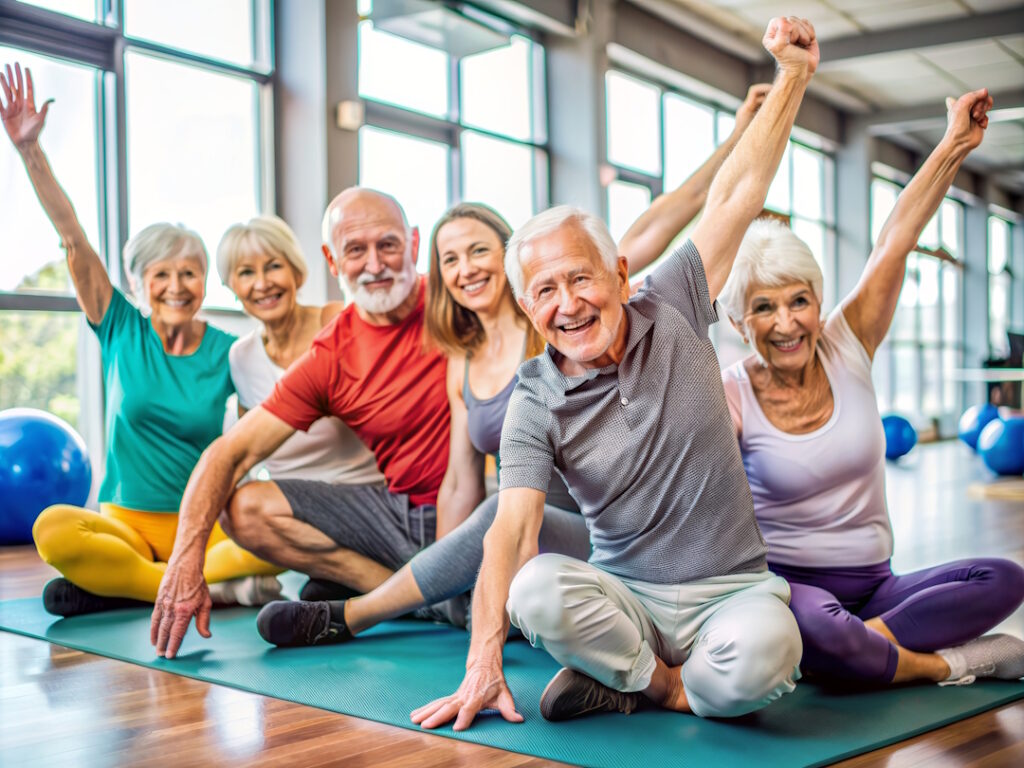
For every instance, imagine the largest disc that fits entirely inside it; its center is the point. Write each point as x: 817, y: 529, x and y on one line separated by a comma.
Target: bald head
x: 360, y: 204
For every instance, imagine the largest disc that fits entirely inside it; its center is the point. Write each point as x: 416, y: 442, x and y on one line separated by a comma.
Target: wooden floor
x: 62, y: 707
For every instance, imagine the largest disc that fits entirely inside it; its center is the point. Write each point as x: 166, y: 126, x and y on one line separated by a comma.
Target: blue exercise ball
x: 974, y: 420
x: 43, y: 461
x: 900, y: 436
x: 1001, y: 446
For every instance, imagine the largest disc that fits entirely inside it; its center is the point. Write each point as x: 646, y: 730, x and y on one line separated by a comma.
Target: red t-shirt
x: 380, y: 382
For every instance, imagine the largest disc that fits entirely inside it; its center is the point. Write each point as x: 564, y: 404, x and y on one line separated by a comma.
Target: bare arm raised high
x: 870, y: 307
x: 23, y: 125
x: 738, y: 192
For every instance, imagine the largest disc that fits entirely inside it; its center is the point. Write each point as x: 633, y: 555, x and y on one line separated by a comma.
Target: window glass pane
x: 930, y: 236
x: 221, y: 30
x: 497, y: 92
x: 951, y: 388
x: 726, y: 123
x: 626, y: 202
x: 177, y: 170
x: 384, y: 162
x: 778, y: 192
x: 931, y: 381
x: 807, y: 177
x: 401, y: 72
x: 38, y: 363
x: 998, y: 312
x: 883, y: 200
x: 500, y: 174
x: 80, y: 9
x: 998, y: 242
x: 950, y: 216
x: 30, y: 253
x: 689, y: 138
x: 633, y: 123
x: 928, y: 298
x: 904, y: 322
x: 906, y: 367
x: 951, y: 304
x: 812, y: 233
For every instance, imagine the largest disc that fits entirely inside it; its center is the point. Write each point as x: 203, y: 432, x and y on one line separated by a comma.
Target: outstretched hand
x: 483, y: 687
x: 792, y: 43
x: 756, y: 94
x: 967, y: 118
x: 18, y: 107
x: 183, y: 594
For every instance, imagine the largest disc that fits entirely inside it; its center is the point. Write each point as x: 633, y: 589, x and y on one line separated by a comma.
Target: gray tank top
x: 484, y: 419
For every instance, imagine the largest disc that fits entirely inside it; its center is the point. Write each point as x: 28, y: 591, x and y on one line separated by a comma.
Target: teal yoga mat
x: 398, y: 666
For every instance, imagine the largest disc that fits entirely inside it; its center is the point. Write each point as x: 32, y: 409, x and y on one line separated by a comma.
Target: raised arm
x: 463, y: 486
x: 183, y: 591
x: 870, y: 307
x: 508, y: 545
x: 23, y: 125
x: 738, y: 192
x: 671, y: 212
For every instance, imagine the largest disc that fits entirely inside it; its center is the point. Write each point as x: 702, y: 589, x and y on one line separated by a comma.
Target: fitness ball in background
x: 43, y: 461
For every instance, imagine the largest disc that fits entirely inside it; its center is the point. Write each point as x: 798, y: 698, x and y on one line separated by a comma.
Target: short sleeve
x: 302, y: 395
x: 242, y: 373
x: 120, y: 314
x: 527, y: 456
x: 733, y: 398
x: 848, y: 347
x: 680, y: 282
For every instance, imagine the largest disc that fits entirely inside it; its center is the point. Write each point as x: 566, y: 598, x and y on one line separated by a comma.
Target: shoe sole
x: 562, y: 680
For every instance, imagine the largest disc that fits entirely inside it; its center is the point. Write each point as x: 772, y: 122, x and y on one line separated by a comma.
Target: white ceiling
x: 903, y: 79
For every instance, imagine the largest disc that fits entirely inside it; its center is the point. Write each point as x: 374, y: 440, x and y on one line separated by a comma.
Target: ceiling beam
x: 956, y: 30
x: 1007, y: 105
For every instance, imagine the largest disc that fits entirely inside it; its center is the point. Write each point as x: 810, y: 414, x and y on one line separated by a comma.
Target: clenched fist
x: 792, y: 43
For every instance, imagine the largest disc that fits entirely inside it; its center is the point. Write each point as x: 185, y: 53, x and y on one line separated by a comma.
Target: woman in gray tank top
x: 473, y: 316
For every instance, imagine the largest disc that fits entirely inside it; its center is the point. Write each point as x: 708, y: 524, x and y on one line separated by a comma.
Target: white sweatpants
x: 734, y: 635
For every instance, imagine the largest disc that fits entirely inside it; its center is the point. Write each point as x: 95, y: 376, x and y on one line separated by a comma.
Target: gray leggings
x: 449, y: 566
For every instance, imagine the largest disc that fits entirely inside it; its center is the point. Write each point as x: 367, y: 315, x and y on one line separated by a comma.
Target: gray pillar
x: 853, y: 206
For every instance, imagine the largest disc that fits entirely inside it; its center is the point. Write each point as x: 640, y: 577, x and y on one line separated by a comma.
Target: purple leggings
x: 926, y: 610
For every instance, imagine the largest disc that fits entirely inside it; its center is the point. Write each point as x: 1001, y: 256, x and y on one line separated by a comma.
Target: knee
x: 246, y: 518
x: 56, y: 533
x: 826, y: 628
x: 1009, y: 579
x: 532, y: 605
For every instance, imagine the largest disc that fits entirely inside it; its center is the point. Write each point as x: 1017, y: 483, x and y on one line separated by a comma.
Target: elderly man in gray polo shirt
x: 626, y: 403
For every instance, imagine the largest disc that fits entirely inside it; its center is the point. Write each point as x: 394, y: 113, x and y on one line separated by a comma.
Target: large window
x: 144, y: 95
x: 657, y: 138
x: 462, y: 120
x: 913, y: 368
x: 1000, y: 285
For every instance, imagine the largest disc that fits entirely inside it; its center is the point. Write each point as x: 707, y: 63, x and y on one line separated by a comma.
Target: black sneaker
x: 62, y: 598
x: 324, y: 589
x: 572, y: 694
x: 454, y: 611
x: 296, y: 623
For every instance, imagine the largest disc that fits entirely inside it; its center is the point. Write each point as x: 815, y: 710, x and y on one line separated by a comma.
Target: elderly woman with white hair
x: 811, y: 439
x: 166, y: 380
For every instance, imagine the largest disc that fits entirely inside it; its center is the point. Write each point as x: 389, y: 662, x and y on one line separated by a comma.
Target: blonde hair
x: 770, y: 255
x: 268, y: 234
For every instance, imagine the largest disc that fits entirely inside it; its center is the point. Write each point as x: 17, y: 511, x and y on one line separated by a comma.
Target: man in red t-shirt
x: 368, y: 367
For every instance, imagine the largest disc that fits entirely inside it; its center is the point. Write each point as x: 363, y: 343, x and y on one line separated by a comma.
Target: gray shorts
x: 366, y: 518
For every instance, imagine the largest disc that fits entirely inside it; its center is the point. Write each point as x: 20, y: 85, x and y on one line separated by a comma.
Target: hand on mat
x: 756, y: 94
x: 483, y: 687
x: 183, y: 594
x: 18, y: 107
x: 792, y: 43
x: 967, y: 118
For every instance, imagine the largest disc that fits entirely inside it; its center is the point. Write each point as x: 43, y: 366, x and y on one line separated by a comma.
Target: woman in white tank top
x: 813, y: 448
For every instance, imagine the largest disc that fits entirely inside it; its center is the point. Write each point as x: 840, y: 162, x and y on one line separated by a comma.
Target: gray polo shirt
x: 646, y: 447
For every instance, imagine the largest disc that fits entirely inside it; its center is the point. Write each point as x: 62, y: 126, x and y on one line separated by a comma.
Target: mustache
x: 385, y: 274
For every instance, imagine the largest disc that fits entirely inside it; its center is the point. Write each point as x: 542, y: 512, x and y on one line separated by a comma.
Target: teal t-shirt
x: 162, y: 410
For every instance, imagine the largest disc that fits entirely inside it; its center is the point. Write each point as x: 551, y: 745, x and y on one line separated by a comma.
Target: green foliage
x: 38, y: 352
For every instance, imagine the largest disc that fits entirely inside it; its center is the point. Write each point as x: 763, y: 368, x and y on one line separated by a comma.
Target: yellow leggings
x: 123, y: 552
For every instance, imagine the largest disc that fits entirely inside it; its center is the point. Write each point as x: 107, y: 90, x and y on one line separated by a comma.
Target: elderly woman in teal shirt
x: 166, y: 377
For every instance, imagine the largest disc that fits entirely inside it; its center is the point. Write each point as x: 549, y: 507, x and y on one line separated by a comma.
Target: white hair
x: 770, y: 255
x: 334, y: 210
x: 544, y: 224
x: 158, y: 242
x: 268, y: 234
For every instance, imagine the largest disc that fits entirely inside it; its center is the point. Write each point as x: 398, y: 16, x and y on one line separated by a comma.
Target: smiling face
x: 174, y: 289
x: 265, y: 283
x: 783, y: 323
x: 472, y: 263
x: 373, y: 252
x: 572, y: 298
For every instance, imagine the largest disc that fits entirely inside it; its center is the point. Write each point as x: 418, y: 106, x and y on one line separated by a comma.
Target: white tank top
x: 819, y: 497
x: 329, y: 451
